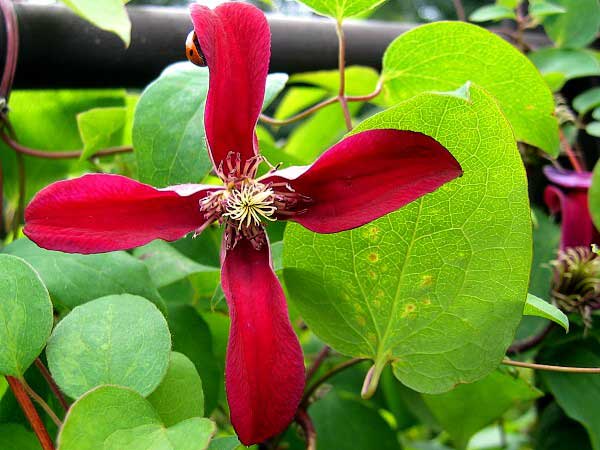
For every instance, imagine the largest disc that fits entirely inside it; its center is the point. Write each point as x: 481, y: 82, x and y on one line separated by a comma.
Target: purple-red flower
x: 570, y: 198
x: 363, y: 177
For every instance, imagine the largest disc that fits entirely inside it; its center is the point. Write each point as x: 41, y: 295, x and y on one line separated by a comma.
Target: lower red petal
x: 101, y: 213
x: 264, y: 374
x: 368, y: 175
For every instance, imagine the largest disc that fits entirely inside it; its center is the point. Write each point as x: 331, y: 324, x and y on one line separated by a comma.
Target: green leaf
x: 109, y: 15
x: 492, y: 12
x: 76, y: 279
x: 166, y: 265
x: 556, y: 431
x: 577, y: 394
x: 25, y: 316
x: 360, y: 80
x: 120, y: 339
x: 596, y: 114
x: 115, y: 418
x: 275, y: 84
x: 168, y: 127
x: 594, y: 196
x: 535, y: 306
x: 101, y: 128
x: 541, y: 9
x: 443, y: 56
x: 341, y: 9
x: 179, y: 396
x: 296, y: 100
x: 508, y: 3
x: 334, y: 413
x: 570, y: 63
x: 417, y: 286
x: 577, y: 27
x: 467, y: 409
x: 16, y: 437
x: 555, y: 80
x: 192, y: 337
x: 587, y: 100
x: 225, y: 443
x: 593, y: 129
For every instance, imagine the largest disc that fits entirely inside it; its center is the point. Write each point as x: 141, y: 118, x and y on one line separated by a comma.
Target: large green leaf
x: 340, y: 9
x: 110, y: 15
x: 168, y: 128
x: 444, y: 55
x: 470, y: 407
x: 438, y: 287
x: 25, y: 315
x: 577, y: 27
x: 577, y: 394
x: 120, y: 339
x: 179, y: 396
x: 115, y: 418
x: 76, y: 279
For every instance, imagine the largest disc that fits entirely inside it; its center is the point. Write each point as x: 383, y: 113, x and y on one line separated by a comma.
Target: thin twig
x: 460, y: 10
x: 342, y: 68
x: 577, y: 165
x: 310, y: 434
x: 531, y: 342
x: 510, y: 362
x: 326, y: 376
x: 53, y: 386
x: 366, y: 98
x: 40, y: 401
x: 299, y: 116
x: 67, y: 154
x: 30, y: 412
x: 323, y: 354
x: 11, y: 28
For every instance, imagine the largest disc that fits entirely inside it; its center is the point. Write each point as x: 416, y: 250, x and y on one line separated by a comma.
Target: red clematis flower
x: 570, y: 199
x: 363, y: 177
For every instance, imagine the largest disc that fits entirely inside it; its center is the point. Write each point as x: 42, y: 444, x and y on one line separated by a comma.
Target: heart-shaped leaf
x: 120, y: 339
x: 25, y: 315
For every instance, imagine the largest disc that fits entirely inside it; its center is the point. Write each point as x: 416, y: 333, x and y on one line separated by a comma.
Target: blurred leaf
x: 587, y: 100
x: 492, y: 12
x: 470, y: 407
x: 297, y: 99
x: 594, y: 196
x: 109, y: 15
x: 546, y: 238
x: 25, y: 316
x: 341, y: 9
x: 570, y: 63
x: 179, y: 395
x: 74, y: 279
x: 101, y: 128
x: 446, y: 63
x: 577, y: 27
x: 596, y: 114
x: 120, y: 340
x: 16, y: 437
x: 360, y: 80
x: 535, y: 306
x: 388, y: 291
x: 192, y: 337
x: 508, y: 3
x: 226, y: 443
x: 541, y: 9
x: 577, y: 394
x: 555, y: 80
x: 593, y: 129
x: 275, y: 84
x: 556, y: 431
x: 115, y: 418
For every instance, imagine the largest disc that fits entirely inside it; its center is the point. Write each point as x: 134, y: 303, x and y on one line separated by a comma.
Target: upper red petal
x: 236, y: 41
x: 101, y: 213
x: 264, y: 374
x: 368, y: 175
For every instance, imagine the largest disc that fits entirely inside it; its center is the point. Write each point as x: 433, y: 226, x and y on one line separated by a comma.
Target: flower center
x: 250, y: 203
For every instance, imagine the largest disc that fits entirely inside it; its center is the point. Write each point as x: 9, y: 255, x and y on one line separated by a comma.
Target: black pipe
x: 59, y: 49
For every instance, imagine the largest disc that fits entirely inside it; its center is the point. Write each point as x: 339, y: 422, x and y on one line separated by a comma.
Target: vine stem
x: 53, y: 386
x: 310, y: 434
x: 323, y: 354
x: 549, y: 368
x: 326, y: 376
x: 40, y: 401
x: 531, y: 342
x: 342, y: 68
x: 30, y: 412
x: 570, y: 153
x: 460, y: 10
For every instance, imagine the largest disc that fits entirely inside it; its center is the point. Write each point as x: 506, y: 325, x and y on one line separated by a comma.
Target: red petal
x: 368, y: 175
x: 236, y: 41
x: 577, y: 227
x: 102, y: 213
x: 264, y: 374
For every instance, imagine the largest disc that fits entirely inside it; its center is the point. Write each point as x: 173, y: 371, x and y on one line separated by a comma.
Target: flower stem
x: 550, y: 368
x: 323, y: 354
x: 342, y: 68
x: 460, y: 10
x: 310, y: 434
x: 40, y: 401
x: 53, y: 386
x: 30, y: 412
x: 326, y: 376
x: 531, y: 342
x: 577, y: 166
